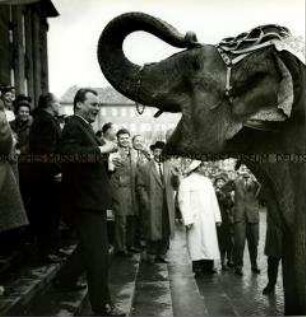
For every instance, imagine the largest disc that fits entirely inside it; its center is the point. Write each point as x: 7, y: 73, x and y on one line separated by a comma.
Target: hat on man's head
x: 157, y: 145
x: 221, y: 176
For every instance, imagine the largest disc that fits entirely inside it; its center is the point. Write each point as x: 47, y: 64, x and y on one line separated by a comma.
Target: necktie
x: 160, y: 171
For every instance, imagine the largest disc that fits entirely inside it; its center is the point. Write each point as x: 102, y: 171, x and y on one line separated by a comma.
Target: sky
x: 73, y: 36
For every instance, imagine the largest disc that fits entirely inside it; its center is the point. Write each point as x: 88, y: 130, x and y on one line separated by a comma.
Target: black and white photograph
x: 152, y: 158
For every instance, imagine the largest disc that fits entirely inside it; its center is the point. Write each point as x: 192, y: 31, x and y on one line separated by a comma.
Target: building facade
x: 23, y: 45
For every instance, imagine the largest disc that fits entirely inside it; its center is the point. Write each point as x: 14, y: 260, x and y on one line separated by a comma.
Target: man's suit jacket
x: 246, y: 202
x: 246, y: 206
x: 85, y: 179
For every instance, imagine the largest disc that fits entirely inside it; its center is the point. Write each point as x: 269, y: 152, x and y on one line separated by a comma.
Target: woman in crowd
x: 21, y: 128
x: 21, y: 125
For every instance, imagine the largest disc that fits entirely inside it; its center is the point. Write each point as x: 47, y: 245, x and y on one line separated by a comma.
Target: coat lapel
x: 86, y: 127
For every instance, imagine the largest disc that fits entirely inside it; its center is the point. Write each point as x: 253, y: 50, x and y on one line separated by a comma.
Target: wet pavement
x: 171, y: 289
x: 160, y: 289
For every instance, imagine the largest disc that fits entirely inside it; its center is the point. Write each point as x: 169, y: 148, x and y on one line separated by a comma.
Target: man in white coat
x: 200, y: 214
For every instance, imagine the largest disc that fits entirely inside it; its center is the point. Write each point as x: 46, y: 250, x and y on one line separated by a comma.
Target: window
x: 24, y: 43
x: 133, y: 127
x: 123, y: 112
x: 26, y: 87
x: 103, y: 111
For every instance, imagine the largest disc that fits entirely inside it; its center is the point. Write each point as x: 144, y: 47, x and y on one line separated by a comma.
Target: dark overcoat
x: 45, y: 134
x: 22, y: 129
x: 274, y: 231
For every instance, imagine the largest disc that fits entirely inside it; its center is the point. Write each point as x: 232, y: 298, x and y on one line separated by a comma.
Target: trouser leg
x: 138, y: 232
x: 239, y: 243
x: 130, y: 232
x: 252, y: 234
x: 120, y: 233
x: 72, y: 270
x: 222, y: 255
x: 273, y: 264
x: 162, y: 247
x: 230, y: 248
x: 152, y: 247
x: 92, y: 230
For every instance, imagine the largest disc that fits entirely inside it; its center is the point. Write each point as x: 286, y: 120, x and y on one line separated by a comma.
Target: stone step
x: 186, y: 298
x: 152, y: 294
x: 122, y: 285
x: 24, y: 284
x: 58, y: 303
x: 8, y: 262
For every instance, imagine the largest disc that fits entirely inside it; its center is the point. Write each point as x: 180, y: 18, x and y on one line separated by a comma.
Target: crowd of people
x: 55, y: 171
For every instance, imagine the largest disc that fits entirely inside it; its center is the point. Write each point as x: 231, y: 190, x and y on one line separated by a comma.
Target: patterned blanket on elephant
x: 235, y: 49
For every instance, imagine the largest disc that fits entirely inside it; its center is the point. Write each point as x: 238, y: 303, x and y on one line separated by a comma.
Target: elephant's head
x: 193, y: 82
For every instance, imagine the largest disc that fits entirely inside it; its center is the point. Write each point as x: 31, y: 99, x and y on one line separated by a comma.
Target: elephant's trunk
x: 118, y: 70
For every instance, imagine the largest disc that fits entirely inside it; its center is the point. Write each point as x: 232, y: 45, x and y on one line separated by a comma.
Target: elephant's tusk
x: 158, y: 113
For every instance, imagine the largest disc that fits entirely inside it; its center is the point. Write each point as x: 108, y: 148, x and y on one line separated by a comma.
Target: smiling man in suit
x: 156, y: 181
x: 87, y: 195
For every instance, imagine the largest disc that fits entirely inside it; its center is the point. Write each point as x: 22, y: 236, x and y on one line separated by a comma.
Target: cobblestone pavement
x: 226, y: 294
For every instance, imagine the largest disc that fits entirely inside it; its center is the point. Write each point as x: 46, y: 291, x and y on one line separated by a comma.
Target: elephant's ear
x: 266, y: 119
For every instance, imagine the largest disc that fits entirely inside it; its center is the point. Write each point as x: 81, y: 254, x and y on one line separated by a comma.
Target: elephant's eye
x: 250, y: 82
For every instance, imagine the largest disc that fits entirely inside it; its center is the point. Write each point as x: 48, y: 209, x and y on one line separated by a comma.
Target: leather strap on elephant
x: 235, y: 49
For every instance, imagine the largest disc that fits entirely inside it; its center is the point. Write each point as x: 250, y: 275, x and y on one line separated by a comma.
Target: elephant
x: 227, y: 117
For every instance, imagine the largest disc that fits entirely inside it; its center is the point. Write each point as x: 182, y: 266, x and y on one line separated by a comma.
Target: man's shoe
x: 63, y: 253
x: 269, y: 289
x: 52, y: 258
x: 160, y: 259
x: 78, y: 286
x: 238, y: 272
x: 255, y: 270
x: 124, y: 254
x: 150, y: 258
x: 134, y: 250
x: 225, y: 268
x: 110, y: 310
